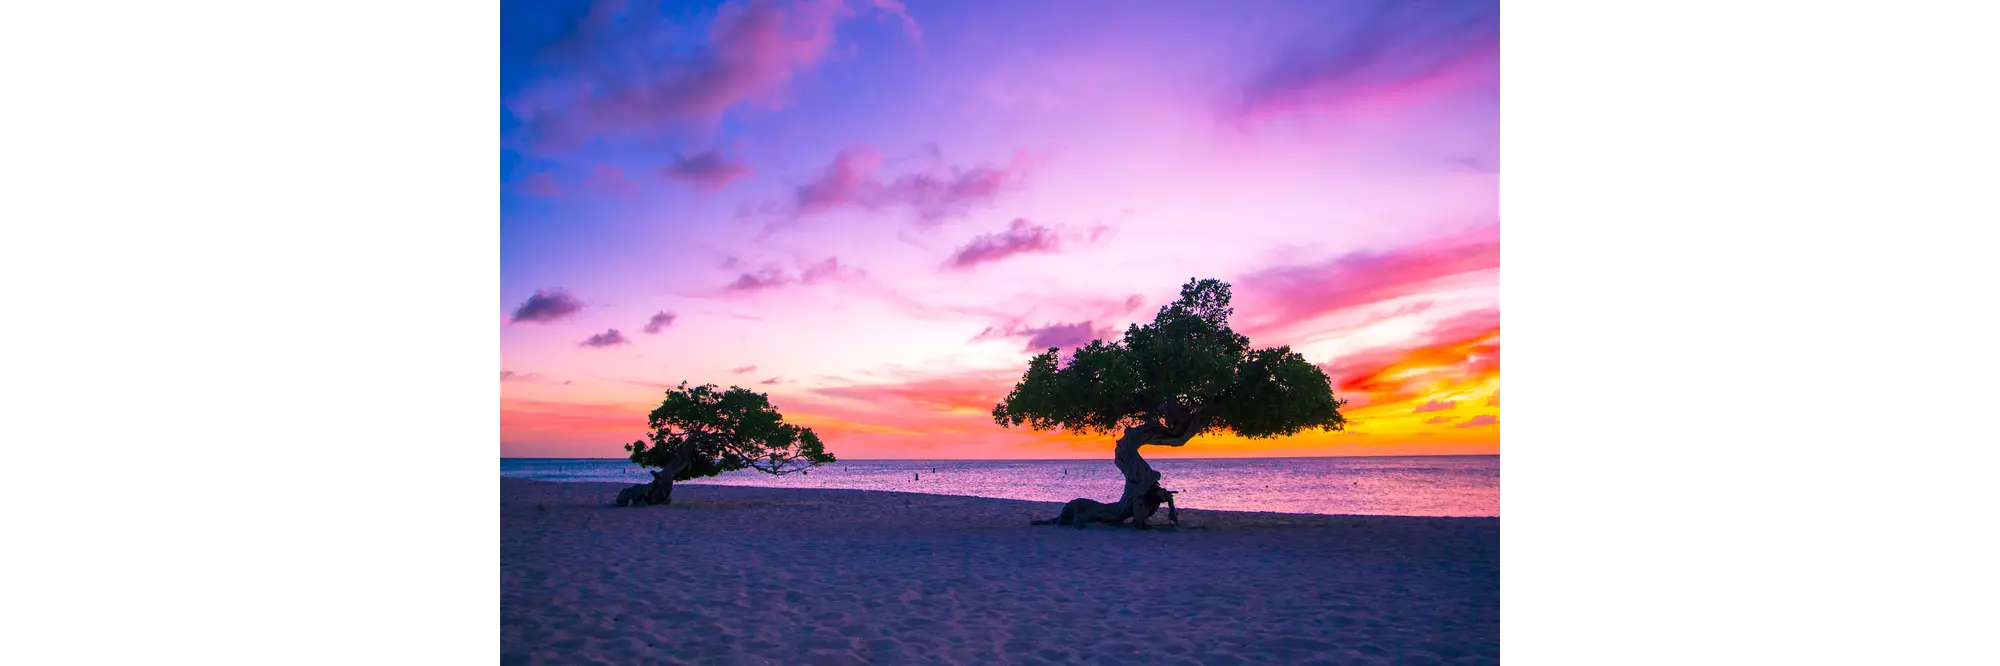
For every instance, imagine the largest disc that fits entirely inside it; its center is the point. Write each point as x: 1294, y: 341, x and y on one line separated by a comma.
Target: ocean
x: 1391, y: 486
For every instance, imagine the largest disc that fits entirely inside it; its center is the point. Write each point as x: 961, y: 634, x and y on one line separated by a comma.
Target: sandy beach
x: 739, y: 575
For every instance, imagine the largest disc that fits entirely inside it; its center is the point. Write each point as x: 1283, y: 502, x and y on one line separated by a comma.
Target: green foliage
x: 706, y: 432
x: 1186, y: 367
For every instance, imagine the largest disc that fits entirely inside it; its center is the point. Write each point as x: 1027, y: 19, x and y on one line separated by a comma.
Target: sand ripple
x: 739, y: 575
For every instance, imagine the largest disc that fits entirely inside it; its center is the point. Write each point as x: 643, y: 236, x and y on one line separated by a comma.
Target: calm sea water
x: 1400, y: 486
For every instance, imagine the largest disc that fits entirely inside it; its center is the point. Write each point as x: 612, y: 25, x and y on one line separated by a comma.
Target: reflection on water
x: 1404, y: 486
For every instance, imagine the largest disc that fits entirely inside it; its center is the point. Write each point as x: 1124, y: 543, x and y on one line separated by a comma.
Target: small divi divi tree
x: 701, y: 431
x: 1166, y: 382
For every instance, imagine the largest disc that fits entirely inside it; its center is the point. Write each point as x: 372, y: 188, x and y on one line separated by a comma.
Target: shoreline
x: 743, y: 574
x: 1086, y: 459
x: 611, y: 490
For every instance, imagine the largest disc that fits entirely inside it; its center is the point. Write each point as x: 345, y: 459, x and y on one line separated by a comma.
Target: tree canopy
x: 701, y: 431
x: 1185, y: 372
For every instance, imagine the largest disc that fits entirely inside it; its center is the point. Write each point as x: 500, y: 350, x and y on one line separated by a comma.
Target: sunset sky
x: 877, y: 210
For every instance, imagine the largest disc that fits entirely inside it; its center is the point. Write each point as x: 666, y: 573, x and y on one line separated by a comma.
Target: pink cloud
x: 1285, y: 296
x: 1437, y: 419
x: 1399, y: 53
x: 1480, y: 420
x: 1434, y: 406
x: 743, y: 369
x: 1020, y: 237
x: 709, y: 172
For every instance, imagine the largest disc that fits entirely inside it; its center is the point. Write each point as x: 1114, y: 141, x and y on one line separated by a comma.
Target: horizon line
x: 1416, y: 455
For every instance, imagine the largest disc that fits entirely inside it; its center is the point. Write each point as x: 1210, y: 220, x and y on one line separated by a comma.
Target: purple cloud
x: 709, y: 172
x: 511, y: 376
x: 623, y: 74
x: 1063, y: 335
x: 660, y: 321
x: 548, y: 305
x: 772, y: 380
x: 609, y: 338
x: 763, y: 279
x: 1480, y: 420
x: 743, y: 369
x: 1020, y: 237
x: 1393, y: 52
x: 1435, y: 406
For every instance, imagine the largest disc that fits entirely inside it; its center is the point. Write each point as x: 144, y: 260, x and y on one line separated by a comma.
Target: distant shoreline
x: 1105, y: 459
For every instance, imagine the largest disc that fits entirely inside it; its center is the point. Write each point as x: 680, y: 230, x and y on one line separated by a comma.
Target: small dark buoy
x: 915, y: 477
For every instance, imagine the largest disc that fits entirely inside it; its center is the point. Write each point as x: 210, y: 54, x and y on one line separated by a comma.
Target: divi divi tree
x: 1166, y: 382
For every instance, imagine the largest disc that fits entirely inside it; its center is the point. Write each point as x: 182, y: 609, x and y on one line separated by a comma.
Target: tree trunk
x: 1143, y: 494
x: 1140, y: 478
x: 661, y: 493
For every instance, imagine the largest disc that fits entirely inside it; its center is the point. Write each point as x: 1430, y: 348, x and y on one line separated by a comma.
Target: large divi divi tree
x: 1165, y: 383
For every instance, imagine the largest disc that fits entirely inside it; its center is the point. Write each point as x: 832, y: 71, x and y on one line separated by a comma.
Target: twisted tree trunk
x: 661, y: 492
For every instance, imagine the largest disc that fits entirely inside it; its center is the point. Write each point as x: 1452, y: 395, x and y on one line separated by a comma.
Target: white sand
x: 737, y: 575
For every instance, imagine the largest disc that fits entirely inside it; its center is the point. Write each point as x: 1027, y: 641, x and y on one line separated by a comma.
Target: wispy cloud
x: 1437, y: 420
x: 897, y: 10
x: 931, y: 195
x: 743, y: 369
x: 609, y: 338
x: 548, y: 305
x: 1087, y: 319
x: 511, y: 376
x: 623, y: 72
x: 1457, y: 354
x: 1282, y: 297
x: 709, y: 171
x: 1480, y: 420
x: 829, y: 270
x: 1021, y: 237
